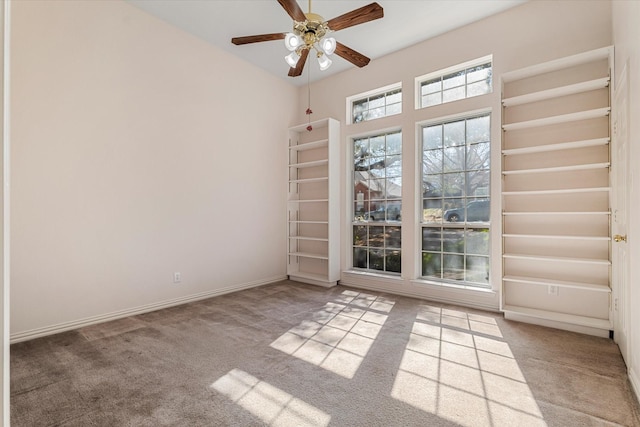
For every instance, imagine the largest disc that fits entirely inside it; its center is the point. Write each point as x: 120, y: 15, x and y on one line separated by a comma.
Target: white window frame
x: 351, y: 213
x: 379, y: 91
x: 417, y: 249
x: 459, y: 67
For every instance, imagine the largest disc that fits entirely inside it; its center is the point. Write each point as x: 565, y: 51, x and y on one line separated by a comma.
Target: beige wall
x: 137, y: 151
x: 534, y: 32
x: 626, y: 35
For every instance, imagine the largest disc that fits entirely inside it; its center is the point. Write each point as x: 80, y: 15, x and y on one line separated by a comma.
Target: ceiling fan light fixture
x: 292, y: 41
x: 292, y: 59
x: 328, y: 45
x: 324, y: 62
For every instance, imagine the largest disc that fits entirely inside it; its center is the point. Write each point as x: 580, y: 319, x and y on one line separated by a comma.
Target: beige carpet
x: 290, y: 354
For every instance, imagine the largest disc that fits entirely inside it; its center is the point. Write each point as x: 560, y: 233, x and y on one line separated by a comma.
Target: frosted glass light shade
x: 328, y: 45
x: 292, y: 41
x: 292, y: 59
x: 324, y: 62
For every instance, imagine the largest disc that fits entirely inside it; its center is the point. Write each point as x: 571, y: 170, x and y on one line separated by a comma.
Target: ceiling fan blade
x: 294, y: 11
x: 257, y: 38
x: 356, y: 58
x: 295, y: 72
x: 357, y: 16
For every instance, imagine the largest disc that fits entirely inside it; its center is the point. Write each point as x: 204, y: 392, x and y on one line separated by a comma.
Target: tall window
x: 463, y: 81
x: 381, y: 103
x: 377, y: 204
x: 455, y: 201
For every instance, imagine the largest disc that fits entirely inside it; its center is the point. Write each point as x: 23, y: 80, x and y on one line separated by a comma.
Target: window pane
x: 376, y: 101
x: 454, y: 210
x: 478, y: 241
x: 394, y: 97
x: 375, y: 113
x: 432, y: 99
x: 453, y: 267
x: 393, y: 261
x: 393, y: 109
x: 453, y: 184
x: 393, y: 166
x: 432, y: 210
x: 478, y: 130
x: 432, y: 162
x: 478, y: 183
x: 453, y: 240
x: 479, y: 156
x: 478, y: 269
x: 454, y: 94
x: 376, y: 259
x: 481, y: 72
x: 432, y: 264
x: 432, y: 137
x: 453, y: 80
x: 393, y: 237
x: 478, y: 88
x: 431, y: 239
x: 376, y: 236
x: 432, y: 186
x: 431, y: 86
x: 360, y: 257
x: 394, y: 143
x: 454, y: 134
x: 454, y: 159
x: 360, y: 235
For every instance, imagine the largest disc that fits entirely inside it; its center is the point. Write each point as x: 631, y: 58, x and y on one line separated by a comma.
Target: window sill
x: 453, y: 286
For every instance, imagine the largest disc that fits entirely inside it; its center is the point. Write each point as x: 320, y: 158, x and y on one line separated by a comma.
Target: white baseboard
x: 634, y: 379
x: 80, y: 323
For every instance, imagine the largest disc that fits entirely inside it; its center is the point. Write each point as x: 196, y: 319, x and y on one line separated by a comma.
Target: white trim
x: 6, y: 250
x: 466, y: 115
x: 87, y: 321
x: 377, y: 91
x: 482, y: 299
x: 634, y: 379
x: 439, y: 73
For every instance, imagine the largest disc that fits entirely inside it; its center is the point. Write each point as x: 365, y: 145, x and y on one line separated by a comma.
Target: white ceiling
x: 405, y: 22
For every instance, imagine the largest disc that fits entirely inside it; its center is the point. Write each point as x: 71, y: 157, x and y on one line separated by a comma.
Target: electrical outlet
x: 554, y: 290
x: 177, y: 277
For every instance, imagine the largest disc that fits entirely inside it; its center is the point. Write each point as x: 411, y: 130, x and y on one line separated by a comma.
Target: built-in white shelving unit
x: 313, y: 231
x: 555, y: 193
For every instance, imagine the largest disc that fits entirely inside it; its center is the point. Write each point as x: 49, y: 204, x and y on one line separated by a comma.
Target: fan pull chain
x: 309, y: 112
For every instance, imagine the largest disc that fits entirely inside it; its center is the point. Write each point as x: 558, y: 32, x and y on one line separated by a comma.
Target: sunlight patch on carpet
x: 339, y: 336
x: 456, y: 366
x: 272, y: 405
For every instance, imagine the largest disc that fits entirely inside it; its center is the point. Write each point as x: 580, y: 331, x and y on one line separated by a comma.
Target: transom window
x: 455, y: 201
x: 463, y: 81
x: 374, y: 105
x: 377, y: 202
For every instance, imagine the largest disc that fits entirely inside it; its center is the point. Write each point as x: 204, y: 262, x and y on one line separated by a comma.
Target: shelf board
x: 558, y: 64
x: 308, y: 222
x: 590, y: 322
x: 558, y: 213
x: 590, y: 166
x: 309, y: 145
x: 310, y: 276
x: 308, y: 200
x: 558, y: 259
x: 557, y: 92
x: 308, y: 255
x: 561, y: 191
x: 313, y: 164
x: 313, y: 239
x: 557, y: 147
x: 308, y: 180
x: 555, y: 236
x: 560, y: 283
x: 563, y: 118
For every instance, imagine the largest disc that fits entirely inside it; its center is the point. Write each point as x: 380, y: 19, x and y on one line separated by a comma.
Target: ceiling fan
x: 310, y: 31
